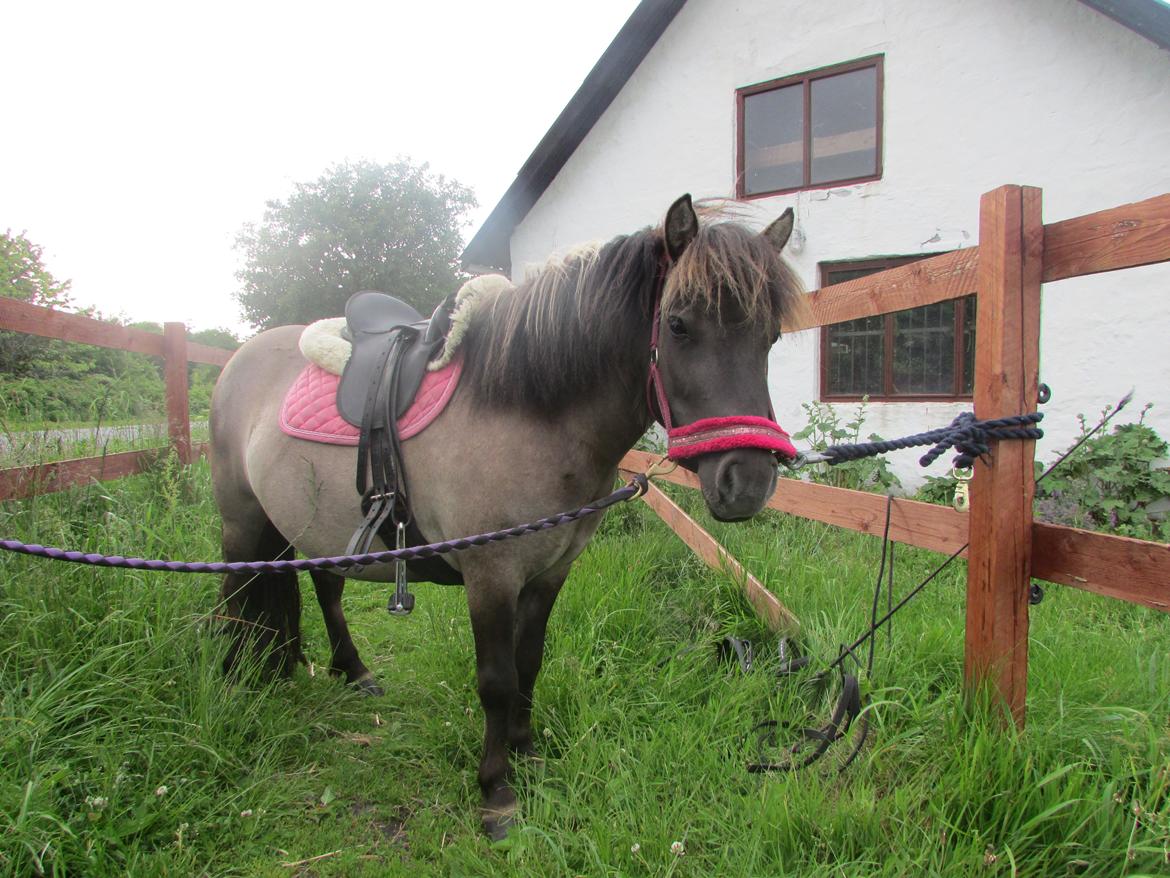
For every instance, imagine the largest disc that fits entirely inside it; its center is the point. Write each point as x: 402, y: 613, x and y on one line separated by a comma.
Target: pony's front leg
x: 492, y: 603
x: 534, y: 606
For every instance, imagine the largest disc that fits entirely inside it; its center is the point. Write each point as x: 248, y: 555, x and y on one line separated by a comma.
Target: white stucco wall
x: 1046, y: 93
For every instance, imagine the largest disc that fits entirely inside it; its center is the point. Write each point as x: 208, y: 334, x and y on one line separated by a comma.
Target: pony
x: 562, y: 374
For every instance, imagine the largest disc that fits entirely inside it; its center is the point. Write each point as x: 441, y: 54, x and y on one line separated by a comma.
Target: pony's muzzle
x: 737, y: 484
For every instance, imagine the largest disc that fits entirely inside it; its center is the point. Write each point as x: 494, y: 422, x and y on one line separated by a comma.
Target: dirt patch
x: 385, y: 830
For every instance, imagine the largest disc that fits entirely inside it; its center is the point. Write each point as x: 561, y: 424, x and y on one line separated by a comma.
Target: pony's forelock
x: 730, y: 270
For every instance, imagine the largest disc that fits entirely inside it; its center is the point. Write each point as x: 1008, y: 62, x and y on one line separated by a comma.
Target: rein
x: 636, y: 487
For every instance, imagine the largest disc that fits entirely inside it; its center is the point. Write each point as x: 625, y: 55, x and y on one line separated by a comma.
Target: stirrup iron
x: 402, y: 601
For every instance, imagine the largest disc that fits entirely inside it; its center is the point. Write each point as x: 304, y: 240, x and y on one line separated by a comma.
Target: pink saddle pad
x: 310, y: 406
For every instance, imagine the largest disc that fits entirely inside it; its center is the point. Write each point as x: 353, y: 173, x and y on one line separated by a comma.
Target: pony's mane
x: 583, y: 321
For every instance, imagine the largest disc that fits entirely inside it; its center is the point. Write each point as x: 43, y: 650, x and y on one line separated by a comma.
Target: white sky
x: 137, y: 138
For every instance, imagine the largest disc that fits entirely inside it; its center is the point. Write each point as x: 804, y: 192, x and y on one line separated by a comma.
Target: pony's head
x: 724, y: 296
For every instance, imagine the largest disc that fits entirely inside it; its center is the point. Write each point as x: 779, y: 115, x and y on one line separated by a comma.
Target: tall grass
x: 126, y: 752
x: 29, y: 444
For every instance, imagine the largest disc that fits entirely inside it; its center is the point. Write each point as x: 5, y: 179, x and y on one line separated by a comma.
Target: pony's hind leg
x: 345, y: 659
x: 263, y: 610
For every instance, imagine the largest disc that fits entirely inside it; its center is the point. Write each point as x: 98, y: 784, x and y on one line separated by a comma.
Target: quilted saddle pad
x: 310, y: 406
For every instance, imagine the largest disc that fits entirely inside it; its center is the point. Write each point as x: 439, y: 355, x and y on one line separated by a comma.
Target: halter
x: 707, y: 435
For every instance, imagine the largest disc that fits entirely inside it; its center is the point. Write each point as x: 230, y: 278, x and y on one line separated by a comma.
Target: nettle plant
x: 826, y: 426
x: 1116, y: 482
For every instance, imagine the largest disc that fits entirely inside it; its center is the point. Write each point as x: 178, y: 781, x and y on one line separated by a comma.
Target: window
x: 810, y: 130
x: 920, y: 353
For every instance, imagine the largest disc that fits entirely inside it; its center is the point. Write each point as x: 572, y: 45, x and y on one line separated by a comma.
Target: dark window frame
x: 807, y: 77
x: 825, y: 271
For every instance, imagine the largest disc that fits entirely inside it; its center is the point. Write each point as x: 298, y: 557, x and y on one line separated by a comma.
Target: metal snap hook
x: 962, y: 477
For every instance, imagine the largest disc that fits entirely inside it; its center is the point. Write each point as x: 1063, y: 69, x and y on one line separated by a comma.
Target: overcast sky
x: 138, y: 137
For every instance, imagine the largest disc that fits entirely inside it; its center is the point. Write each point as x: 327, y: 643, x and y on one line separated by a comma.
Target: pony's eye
x: 677, y: 328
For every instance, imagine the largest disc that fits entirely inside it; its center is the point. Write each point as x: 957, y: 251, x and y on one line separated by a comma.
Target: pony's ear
x: 777, y: 233
x: 681, y: 226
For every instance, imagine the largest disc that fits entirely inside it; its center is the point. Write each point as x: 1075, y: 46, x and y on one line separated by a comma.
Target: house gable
x: 489, y: 248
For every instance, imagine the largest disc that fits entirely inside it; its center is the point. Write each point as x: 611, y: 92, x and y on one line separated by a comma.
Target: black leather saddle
x: 374, y: 324
x: 392, y: 345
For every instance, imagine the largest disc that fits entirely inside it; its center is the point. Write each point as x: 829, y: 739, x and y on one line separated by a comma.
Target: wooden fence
x: 1016, y: 253
x: 176, y: 352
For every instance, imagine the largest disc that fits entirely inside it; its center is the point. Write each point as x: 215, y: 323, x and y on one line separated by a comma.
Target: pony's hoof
x: 367, y: 684
x: 497, y: 825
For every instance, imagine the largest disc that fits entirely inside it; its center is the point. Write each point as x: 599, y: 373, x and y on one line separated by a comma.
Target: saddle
x: 376, y: 323
x: 392, y: 344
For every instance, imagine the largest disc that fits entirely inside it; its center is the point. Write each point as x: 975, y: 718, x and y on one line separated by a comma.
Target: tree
x: 201, y: 377
x: 219, y: 337
x: 393, y: 227
x: 23, y: 276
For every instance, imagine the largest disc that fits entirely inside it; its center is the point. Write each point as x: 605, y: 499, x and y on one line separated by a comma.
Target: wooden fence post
x: 178, y: 406
x: 1007, y: 361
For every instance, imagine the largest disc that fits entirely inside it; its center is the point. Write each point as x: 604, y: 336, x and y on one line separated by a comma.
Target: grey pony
x: 554, y: 393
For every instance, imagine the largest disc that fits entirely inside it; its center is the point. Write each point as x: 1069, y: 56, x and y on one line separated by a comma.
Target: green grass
x: 110, y: 690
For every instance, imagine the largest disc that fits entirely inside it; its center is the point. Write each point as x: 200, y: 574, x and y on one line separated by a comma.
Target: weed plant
x: 826, y: 427
x: 125, y: 752
x: 1116, y: 482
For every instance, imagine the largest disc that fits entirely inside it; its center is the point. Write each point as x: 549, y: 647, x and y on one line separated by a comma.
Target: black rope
x: 850, y: 706
x: 971, y: 438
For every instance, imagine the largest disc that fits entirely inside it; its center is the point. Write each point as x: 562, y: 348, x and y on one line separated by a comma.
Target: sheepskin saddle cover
x: 310, y: 406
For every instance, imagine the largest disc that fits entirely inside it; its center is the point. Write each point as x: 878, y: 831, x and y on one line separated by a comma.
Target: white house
x: 880, y: 122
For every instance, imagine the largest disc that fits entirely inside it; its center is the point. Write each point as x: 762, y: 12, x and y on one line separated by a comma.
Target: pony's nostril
x: 728, y: 479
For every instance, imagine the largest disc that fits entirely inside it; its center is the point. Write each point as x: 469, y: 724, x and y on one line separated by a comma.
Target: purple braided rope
x: 635, y: 488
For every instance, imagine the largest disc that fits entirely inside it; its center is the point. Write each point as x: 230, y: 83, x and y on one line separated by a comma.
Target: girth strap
x: 380, y: 478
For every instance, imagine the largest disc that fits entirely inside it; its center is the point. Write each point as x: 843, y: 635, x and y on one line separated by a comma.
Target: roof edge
x: 491, y: 244
x: 1149, y: 18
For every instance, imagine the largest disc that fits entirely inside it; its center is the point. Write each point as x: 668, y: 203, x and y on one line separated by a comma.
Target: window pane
x: 773, y: 140
x: 855, y: 352
x: 844, y: 126
x: 924, y: 349
x: 840, y: 275
x: 969, y: 345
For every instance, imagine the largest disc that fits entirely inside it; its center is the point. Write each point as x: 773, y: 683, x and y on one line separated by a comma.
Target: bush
x: 1115, y: 482
x: 1111, y: 483
x: 92, y: 397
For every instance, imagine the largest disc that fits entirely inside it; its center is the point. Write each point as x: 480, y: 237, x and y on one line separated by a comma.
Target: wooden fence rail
x: 1016, y: 253
x: 172, y: 346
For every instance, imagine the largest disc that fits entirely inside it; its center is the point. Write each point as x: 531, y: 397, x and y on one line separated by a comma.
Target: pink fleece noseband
x: 709, y: 435
x: 712, y: 435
